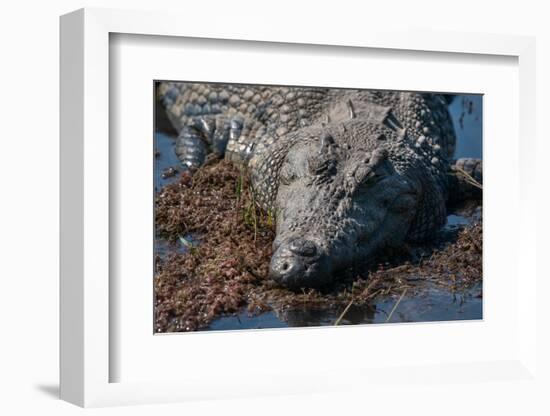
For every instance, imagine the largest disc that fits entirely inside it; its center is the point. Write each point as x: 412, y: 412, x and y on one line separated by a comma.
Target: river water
x: 433, y: 303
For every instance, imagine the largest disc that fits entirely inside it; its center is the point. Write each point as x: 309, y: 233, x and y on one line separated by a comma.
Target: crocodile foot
x: 206, y: 135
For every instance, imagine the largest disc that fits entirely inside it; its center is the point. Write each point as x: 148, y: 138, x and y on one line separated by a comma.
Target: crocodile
x: 345, y: 173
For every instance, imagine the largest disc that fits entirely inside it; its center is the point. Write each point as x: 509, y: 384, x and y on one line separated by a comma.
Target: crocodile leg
x: 203, y: 136
x: 465, y: 180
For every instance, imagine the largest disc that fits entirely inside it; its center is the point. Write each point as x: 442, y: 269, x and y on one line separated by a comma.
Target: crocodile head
x: 340, y: 198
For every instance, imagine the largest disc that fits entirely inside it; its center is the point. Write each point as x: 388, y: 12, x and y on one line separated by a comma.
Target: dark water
x: 468, y: 131
x: 165, y: 159
x: 433, y: 303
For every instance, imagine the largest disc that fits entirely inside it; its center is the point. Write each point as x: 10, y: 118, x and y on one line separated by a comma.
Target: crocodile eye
x: 321, y: 166
x: 315, y: 164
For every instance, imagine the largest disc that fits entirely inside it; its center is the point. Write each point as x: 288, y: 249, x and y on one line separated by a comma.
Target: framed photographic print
x: 286, y: 213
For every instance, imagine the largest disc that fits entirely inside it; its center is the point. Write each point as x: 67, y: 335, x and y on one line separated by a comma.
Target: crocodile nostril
x: 286, y: 270
x: 303, y: 247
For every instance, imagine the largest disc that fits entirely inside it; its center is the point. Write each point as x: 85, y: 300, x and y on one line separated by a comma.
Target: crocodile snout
x: 299, y: 263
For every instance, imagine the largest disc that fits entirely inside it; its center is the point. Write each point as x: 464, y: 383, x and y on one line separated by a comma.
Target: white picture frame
x: 86, y: 291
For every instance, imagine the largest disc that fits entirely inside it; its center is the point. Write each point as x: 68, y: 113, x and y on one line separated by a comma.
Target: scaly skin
x: 346, y: 172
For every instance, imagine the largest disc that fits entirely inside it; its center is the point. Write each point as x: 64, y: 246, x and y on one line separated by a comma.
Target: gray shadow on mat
x: 51, y: 390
